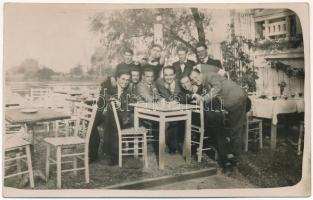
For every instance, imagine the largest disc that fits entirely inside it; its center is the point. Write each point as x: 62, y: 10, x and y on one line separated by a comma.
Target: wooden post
x: 158, y: 31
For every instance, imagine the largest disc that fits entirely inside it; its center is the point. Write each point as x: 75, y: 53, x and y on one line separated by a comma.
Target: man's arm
x: 143, y: 93
x: 215, y: 81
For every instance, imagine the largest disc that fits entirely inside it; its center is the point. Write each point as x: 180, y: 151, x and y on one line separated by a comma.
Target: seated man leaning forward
x: 170, y: 90
x: 146, y: 90
x: 234, y: 100
x: 118, y: 93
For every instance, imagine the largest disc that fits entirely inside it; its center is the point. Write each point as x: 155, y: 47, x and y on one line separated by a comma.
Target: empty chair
x: 71, y: 148
x: 198, y: 138
x: 17, y: 151
x: 253, y: 126
x: 135, y: 136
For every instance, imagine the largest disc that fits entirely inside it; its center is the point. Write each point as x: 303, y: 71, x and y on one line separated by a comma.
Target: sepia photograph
x: 114, y: 100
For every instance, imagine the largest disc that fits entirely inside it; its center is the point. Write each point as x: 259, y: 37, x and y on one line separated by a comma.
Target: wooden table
x: 16, y: 116
x: 164, y: 113
x: 269, y: 109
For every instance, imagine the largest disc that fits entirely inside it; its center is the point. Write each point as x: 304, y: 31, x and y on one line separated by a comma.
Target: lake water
x: 19, y: 92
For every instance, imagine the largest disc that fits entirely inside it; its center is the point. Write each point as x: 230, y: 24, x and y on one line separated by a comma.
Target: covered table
x: 164, y: 113
x: 269, y: 109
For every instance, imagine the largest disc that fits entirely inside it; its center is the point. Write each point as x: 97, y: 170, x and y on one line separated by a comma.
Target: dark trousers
x: 111, y: 135
x: 174, y: 135
x: 237, y: 117
x: 214, y: 128
x: 94, y: 140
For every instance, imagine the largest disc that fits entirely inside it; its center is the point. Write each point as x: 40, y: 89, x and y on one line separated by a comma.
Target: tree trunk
x: 199, y: 24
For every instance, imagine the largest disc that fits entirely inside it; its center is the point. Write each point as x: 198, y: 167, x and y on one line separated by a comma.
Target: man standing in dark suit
x: 234, y: 100
x: 183, y: 66
x: 128, y: 61
x: 156, y: 59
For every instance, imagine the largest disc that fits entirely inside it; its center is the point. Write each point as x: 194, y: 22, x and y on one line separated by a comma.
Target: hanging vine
x: 237, y: 62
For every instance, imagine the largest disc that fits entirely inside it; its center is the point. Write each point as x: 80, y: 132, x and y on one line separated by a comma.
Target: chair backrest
x: 118, y: 126
x: 39, y: 94
x: 85, y: 121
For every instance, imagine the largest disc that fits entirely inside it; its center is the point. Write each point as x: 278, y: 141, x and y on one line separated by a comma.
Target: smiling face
x: 196, y: 78
x: 123, y: 80
x: 186, y: 83
x: 169, y: 75
x: 202, y: 52
x: 148, y: 77
x: 135, y: 76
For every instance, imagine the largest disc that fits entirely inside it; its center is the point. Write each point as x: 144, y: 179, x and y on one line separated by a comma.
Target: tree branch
x: 199, y: 24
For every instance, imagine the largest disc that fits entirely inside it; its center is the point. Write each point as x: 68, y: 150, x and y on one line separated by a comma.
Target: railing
x: 276, y: 28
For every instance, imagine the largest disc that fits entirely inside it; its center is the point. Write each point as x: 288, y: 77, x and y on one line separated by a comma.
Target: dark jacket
x: 230, y: 92
x: 214, y: 62
x: 189, y: 64
x: 166, y: 93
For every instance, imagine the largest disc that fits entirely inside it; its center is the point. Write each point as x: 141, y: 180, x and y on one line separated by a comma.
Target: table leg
x: 161, y: 143
x: 136, y: 119
x: 188, y: 138
x: 273, y: 136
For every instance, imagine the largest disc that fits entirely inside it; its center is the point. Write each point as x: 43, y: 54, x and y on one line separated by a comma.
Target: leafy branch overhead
x: 119, y: 29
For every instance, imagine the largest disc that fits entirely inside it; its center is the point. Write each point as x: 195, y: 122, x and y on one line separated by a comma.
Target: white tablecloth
x: 266, y: 108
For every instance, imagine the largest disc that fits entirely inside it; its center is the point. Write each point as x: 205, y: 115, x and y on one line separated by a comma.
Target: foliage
x: 78, y: 70
x: 279, y: 44
x: 119, y: 28
x: 44, y: 73
x: 237, y: 62
x: 32, y: 70
x: 291, y: 72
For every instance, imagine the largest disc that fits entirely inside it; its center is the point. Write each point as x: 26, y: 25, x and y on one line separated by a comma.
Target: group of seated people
x: 185, y: 81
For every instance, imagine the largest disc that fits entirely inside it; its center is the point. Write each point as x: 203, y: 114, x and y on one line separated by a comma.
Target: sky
x: 58, y: 35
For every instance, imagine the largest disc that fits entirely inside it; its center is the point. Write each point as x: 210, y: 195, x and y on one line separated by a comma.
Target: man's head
x: 196, y: 77
x: 148, y: 75
x: 202, y: 50
x: 128, y: 56
x: 169, y: 74
x: 186, y: 83
x: 155, y: 51
x: 135, y: 74
x: 182, y: 53
x: 123, y: 77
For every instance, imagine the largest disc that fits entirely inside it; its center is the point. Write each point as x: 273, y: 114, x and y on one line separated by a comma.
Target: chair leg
x: 86, y: 163
x: 48, y: 162
x: 246, y: 136
x: 136, y: 147
x: 261, y: 135
x: 301, y: 130
x: 75, y: 165
x: 145, y: 149
x: 120, y: 152
x: 29, y: 166
x: 18, y: 162
x: 59, y: 167
x: 200, y: 148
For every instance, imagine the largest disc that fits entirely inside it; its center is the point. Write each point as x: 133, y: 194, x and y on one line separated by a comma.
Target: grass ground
x: 260, y: 168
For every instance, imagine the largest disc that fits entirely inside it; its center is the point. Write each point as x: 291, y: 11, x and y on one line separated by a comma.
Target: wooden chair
x: 301, y: 135
x: 253, y: 126
x: 198, y: 132
x: 72, y: 147
x: 16, y: 150
x: 135, y: 136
